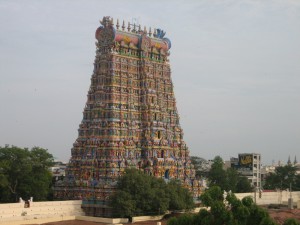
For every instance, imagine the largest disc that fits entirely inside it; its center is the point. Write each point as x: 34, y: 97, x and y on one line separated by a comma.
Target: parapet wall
x: 276, y: 197
x: 42, y: 212
x: 16, y: 213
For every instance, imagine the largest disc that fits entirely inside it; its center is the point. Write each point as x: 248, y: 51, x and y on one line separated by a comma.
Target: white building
x: 249, y: 165
x: 58, y: 170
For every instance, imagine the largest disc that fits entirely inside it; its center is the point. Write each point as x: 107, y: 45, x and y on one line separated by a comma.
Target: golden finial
x: 123, y: 26
x: 150, y: 32
x: 128, y: 28
x: 117, y: 26
x: 134, y: 30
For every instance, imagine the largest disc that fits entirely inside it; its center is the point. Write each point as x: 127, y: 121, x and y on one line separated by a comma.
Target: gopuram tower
x: 130, y: 119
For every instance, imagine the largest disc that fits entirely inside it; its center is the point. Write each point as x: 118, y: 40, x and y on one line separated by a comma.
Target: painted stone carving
x: 130, y: 119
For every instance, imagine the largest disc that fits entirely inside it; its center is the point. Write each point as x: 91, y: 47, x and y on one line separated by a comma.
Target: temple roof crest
x: 160, y: 33
x: 107, y: 21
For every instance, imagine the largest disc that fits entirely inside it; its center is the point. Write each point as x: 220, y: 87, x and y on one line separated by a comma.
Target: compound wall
x: 276, y: 197
x: 42, y: 212
x: 16, y: 213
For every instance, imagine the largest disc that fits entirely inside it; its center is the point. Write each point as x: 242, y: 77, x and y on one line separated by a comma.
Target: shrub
x: 291, y: 221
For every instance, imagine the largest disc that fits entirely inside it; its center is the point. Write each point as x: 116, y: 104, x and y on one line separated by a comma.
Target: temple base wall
x: 96, y: 211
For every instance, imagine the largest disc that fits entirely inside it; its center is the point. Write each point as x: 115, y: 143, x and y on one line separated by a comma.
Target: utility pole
x: 290, y: 200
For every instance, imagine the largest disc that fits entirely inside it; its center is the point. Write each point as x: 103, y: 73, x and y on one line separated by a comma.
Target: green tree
x: 282, y: 178
x: 41, y: 178
x: 217, y: 175
x: 179, y: 198
x: 24, y: 173
x: 232, y: 179
x: 227, y: 210
x: 268, y: 221
x: 243, y: 185
x: 204, y: 217
x: 141, y: 194
x: 173, y: 221
x: 296, y: 186
x: 213, y: 194
x: 256, y: 214
x: 291, y: 221
x: 214, y: 199
x: 228, y: 180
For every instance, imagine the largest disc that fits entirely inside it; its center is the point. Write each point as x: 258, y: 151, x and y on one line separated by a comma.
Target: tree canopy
x: 283, y: 177
x: 140, y: 194
x: 225, y: 209
x: 24, y: 173
x: 228, y: 180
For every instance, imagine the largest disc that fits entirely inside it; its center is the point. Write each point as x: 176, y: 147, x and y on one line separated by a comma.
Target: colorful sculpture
x: 130, y: 119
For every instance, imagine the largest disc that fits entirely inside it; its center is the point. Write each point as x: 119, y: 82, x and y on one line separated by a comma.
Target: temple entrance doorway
x: 167, y: 174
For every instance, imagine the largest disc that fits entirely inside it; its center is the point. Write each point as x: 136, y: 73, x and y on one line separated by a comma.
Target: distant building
x: 269, y: 169
x: 295, y: 161
x: 248, y: 165
x: 227, y: 164
x: 58, y: 170
x: 266, y: 171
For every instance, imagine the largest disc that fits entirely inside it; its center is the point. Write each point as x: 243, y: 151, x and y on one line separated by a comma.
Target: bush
x: 229, y: 211
x: 291, y: 221
x: 185, y: 219
x: 173, y: 221
x: 267, y: 221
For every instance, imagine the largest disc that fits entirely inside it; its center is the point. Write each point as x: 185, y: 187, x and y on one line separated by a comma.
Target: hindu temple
x: 130, y: 119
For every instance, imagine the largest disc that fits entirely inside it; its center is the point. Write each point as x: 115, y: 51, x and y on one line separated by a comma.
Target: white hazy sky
x: 235, y: 69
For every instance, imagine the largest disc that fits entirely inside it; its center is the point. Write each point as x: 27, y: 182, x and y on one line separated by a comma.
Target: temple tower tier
x: 130, y: 119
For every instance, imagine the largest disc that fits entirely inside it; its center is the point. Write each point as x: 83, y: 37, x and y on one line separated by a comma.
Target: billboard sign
x: 245, y: 164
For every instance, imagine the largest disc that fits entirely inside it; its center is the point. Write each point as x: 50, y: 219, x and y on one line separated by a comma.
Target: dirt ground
x: 280, y: 215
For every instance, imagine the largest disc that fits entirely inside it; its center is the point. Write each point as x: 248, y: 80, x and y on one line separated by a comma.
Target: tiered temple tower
x: 130, y: 119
